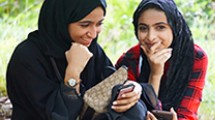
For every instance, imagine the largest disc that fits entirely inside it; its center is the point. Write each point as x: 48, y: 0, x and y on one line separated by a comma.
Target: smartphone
x: 162, y: 115
x: 124, y: 89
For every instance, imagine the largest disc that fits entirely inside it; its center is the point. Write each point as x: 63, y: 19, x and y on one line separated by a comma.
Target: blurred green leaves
x: 200, y: 15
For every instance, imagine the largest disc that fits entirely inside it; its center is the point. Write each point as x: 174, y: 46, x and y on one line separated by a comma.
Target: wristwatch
x: 72, y: 82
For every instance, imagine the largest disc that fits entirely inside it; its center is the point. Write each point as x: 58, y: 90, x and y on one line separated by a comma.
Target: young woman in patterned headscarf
x: 167, y: 58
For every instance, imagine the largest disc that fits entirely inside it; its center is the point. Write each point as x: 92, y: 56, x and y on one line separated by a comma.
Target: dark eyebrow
x: 143, y: 24
x: 101, y: 20
x: 89, y: 21
x: 161, y: 23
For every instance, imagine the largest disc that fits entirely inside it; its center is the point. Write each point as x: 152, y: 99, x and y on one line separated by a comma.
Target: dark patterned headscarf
x: 181, y: 63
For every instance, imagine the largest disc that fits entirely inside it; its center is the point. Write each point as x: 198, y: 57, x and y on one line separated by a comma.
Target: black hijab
x: 55, y: 16
x: 181, y: 63
x: 54, y: 38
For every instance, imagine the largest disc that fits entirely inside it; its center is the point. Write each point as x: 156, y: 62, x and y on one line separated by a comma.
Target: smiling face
x: 87, y: 29
x: 153, y: 27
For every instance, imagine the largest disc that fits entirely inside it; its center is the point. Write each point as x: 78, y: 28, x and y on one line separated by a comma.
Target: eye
x: 143, y: 28
x: 100, y: 23
x: 84, y: 25
x: 160, y: 27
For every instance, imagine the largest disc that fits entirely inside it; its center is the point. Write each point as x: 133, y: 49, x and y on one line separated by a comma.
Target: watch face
x: 72, y: 82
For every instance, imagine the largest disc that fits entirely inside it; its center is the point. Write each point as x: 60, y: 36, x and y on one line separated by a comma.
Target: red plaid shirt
x: 190, y: 103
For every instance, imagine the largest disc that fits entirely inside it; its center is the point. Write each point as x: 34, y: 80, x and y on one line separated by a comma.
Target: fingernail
x: 123, y: 95
x: 114, y: 103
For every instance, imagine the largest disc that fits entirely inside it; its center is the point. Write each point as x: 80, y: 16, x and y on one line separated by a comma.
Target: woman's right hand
x: 128, y: 99
x: 77, y: 57
x: 157, y: 57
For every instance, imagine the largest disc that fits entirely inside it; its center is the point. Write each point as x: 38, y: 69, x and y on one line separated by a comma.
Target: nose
x: 92, y: 32
x: 151, y: 35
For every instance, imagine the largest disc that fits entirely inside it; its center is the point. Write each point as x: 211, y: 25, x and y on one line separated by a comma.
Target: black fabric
x: 32, y: 85
x: 88, y: 115
x: 144, y: 75
x: 68, y: 94
x: 149, y: 97
x: 181, y: 62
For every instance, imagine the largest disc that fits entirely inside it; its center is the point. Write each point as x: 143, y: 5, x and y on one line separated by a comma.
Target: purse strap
x: 56, y: 69
x: 88, y: 115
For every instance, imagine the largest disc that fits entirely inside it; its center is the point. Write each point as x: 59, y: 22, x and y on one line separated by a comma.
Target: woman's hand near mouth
x: 157, y: 58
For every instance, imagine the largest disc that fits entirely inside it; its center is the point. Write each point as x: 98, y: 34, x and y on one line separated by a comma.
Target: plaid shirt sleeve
x: 193, y: 95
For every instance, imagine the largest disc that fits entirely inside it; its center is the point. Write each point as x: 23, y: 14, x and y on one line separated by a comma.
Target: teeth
x: 149, y: 46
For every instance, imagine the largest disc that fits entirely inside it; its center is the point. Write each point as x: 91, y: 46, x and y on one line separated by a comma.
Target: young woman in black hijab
x: 167, y: 58
x: 61, y: 56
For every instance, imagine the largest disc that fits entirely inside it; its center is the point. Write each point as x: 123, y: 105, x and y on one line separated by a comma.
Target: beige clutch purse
x: 99, y: 96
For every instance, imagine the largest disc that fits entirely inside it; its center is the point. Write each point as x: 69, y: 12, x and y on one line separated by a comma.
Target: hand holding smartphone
x: 124, y: 89
x: 162, y: 115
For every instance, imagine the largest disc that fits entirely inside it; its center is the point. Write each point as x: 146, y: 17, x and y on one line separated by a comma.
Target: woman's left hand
x: 150, y: 116
x: 128, y: 99
x: 174, y: 114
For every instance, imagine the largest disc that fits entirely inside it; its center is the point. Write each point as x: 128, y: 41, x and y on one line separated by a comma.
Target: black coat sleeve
x: 35, y: 91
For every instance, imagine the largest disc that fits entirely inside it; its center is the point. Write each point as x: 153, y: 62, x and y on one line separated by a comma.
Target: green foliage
x: 19, y: 17
x: 15, y: 7
x: 14, y: 28
x: 118, y: 30
x: 208, y: 102
x: 200, y: 15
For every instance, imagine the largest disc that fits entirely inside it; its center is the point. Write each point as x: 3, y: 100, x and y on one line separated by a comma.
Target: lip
x: 149, y: 45
x: 87, y: 42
